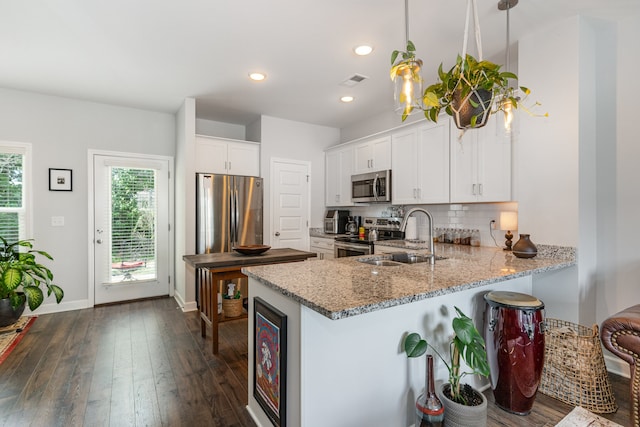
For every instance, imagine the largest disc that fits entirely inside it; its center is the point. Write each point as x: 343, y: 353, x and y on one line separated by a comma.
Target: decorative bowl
x: 251, y: 249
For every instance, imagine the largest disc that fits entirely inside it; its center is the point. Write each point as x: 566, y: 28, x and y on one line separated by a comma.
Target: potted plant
x: 20, y: 279
x: 470, y: 91
x: 464, y: 406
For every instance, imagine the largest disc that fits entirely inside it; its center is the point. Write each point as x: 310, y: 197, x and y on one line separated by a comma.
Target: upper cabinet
x: 373, y: 155
x: 224, y: 156
x: 481, y: 164
x: 420, y: 164
x: 338, y: 170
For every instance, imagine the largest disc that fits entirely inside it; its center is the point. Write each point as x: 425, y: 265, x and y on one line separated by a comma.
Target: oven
x: 346, y: 246
x: 388, y: 229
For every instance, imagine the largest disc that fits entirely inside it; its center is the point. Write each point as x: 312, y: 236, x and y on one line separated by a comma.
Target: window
x: 14, y: 190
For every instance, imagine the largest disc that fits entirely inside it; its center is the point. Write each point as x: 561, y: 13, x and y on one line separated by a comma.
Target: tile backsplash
x: 462, y: 216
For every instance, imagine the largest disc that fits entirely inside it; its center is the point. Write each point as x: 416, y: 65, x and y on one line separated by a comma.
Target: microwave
x: 371, y: 187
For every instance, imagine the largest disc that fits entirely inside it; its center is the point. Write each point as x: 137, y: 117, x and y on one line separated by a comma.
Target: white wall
x: 61, y: 131
x: 185, y: 214
x: 287, y: 139
x: 220, y: 129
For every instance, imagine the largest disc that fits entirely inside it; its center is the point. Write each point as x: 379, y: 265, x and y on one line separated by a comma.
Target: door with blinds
x: 131, y: 228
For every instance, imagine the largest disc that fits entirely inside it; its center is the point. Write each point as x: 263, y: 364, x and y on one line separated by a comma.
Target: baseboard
x: 185, y: 306
x: 59, y: 308
x: 253, y: 416
x: 617, y: 366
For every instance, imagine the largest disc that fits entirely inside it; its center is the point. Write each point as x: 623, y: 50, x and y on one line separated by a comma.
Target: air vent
x: 353, y: 80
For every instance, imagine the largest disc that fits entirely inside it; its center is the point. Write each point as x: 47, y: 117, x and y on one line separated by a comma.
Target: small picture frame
x: 60, y: 179
x: 270, y: 360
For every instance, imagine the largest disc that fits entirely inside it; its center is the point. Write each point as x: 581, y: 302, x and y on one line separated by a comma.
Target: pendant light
x: 407, y: 81
x: 507, y: 106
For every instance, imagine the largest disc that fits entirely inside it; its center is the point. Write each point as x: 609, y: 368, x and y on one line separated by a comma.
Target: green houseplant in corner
x: 20, y: 278
x: 464, y: 406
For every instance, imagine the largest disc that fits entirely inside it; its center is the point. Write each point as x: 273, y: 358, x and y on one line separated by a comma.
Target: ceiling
x: 151, y: 54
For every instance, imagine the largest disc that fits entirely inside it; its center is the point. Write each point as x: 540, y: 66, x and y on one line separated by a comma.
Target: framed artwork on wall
x: 270, y: 358
x: 60, y: 179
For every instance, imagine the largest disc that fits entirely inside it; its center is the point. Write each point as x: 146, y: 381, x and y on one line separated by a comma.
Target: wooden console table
x: 211, y: 269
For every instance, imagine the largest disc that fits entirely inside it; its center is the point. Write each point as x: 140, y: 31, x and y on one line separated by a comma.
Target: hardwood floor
x: 144, y: 363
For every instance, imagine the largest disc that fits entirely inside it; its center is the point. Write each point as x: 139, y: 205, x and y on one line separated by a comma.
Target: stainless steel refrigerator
x: 229, y: 212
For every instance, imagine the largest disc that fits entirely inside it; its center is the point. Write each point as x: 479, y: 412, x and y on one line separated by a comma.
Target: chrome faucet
x: 403, y: 227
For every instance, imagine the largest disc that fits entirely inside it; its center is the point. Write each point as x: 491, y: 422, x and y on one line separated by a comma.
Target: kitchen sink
x: 380, y: 262
x: 398, y: 259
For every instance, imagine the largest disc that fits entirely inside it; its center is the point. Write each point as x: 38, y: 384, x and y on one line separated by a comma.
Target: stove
x: 388, y: 229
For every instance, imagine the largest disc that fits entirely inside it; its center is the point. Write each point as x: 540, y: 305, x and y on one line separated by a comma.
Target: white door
x: 290, y: 204
x: 131, y: 228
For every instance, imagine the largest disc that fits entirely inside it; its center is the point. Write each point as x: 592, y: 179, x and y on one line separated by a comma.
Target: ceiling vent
x: 353, y: 80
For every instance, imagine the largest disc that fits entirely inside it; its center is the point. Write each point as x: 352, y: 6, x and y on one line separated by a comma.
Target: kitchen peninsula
x: 347, y: 319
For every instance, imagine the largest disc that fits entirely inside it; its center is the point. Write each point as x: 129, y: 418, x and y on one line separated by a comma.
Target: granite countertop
x: 344, y: 287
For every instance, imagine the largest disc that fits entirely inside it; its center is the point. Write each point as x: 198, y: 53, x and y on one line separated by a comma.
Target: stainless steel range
x: 388, y: 229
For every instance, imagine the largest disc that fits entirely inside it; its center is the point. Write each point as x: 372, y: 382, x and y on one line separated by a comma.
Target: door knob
x: 99, y: 241
x: 277, y: 233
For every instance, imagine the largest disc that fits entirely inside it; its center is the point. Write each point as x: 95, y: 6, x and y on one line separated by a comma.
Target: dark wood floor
x: 145, y: 363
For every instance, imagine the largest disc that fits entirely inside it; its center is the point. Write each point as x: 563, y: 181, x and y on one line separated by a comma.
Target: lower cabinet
x: 322, y: 246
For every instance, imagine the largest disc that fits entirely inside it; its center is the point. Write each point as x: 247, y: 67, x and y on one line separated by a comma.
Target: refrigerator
x: 228, y: 212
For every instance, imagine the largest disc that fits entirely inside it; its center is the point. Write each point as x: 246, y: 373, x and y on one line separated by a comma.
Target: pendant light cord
x: 406, y: 22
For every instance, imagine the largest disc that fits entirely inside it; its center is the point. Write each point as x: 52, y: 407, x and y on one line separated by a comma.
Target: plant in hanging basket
x: 470, y: 91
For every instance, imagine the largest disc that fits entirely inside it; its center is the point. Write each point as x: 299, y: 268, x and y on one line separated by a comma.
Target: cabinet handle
x: 229, y: 165
x: 337, y: 197
x: 414, y: 193
x: 480, y: 187
x: 419, y: 193
x: 473, y: 189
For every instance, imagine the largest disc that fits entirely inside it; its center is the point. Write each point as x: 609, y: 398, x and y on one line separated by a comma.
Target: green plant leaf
x: 414, y: 345
x: 430, y: 99
x: 57, y: 291
x: 12, y: 278
x: 394, y: 56
x: 34, y: 296
x: 16, y: 300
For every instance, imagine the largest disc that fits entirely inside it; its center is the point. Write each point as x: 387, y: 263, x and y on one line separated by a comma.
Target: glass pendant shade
x: 407, y: 92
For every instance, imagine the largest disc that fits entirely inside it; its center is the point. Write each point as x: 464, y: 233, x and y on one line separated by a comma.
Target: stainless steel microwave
x: 371, y: 187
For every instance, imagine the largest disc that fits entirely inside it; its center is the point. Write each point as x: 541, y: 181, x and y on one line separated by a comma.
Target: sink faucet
x: 403, y: 227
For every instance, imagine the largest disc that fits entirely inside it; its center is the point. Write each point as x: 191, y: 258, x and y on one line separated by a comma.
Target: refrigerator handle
x: 232, y: 218
x: 207, y: 214
x: 235, y: 194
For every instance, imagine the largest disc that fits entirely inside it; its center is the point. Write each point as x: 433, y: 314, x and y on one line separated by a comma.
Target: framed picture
x: 270, y: 359
x: 59, y: 179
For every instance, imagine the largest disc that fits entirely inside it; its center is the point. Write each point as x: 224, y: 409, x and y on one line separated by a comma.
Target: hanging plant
x: 469, y: 92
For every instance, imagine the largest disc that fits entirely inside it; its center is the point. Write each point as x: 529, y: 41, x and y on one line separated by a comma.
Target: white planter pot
x: 457, y: 415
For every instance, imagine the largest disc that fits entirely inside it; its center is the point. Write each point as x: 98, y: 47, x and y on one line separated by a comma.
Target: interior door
x: 290, y: 204
x: 131, y: 228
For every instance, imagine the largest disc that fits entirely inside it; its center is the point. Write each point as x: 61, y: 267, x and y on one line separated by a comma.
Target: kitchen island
x: 347, y: 320
x: 213, y: 268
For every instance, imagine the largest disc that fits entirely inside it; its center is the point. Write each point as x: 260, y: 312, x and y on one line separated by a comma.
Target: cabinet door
x: 464, y: 165
x: 332, y: 178
x: 211, y: 155
x: 363, y: 153
x: 243, y: 159
x: 373, y: 155
x: 338, y: 170
x: 381, y: 151
x: 494, y: 161
x: 404, y: 166
x: 433, y: 163
x: 344, y: 178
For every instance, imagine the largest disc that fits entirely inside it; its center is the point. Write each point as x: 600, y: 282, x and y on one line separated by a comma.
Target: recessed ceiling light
x: 257, y: 77
x: 347, y: 99
x: 363, y: 50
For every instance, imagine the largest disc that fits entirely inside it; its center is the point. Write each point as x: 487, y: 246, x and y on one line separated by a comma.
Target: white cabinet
x: 481, y: 164
x: 322, y: 246
x: 373, y: 155
x: 219, y: 155
x: 338, y: 170
x: 420, y: 164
